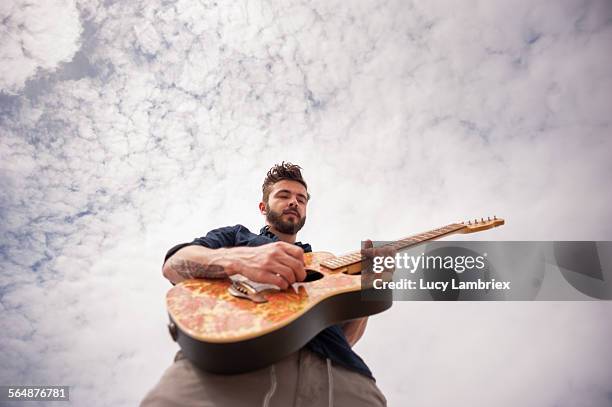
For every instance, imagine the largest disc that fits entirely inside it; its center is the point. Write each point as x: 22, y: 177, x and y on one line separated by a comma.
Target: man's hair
x: 281, y: 172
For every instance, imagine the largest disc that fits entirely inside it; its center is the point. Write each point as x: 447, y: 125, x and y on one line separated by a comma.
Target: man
x: 325, y: 372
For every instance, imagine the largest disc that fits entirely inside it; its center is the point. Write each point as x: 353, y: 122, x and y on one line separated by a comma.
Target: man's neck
x: 283, y: 237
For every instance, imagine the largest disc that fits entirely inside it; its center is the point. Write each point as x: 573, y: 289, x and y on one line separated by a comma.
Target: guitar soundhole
x: 358, y: 273
x: 312, y: 275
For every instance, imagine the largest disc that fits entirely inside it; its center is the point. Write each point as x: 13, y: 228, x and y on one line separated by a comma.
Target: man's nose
x: 293, y: 202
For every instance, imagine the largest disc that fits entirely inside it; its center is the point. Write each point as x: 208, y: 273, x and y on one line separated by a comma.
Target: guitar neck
x: 352, y: 258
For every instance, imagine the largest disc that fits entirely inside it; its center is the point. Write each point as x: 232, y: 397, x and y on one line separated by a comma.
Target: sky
x: 128, y: 127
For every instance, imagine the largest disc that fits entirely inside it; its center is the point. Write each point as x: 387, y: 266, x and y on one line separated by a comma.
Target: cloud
x: 36, y: 37
x: 537, y: 354
x: 405, y: 116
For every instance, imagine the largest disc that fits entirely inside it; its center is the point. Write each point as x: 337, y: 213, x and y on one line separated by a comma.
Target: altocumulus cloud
x: 129, y: 126
x: 36, y: 36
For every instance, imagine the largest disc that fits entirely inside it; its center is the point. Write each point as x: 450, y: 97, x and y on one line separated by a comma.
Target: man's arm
x: 354, y: 329
x: 197, y: 262
x: 277, y: 263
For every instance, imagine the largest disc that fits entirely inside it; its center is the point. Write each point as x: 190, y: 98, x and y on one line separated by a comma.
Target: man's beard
x: 289, y: 228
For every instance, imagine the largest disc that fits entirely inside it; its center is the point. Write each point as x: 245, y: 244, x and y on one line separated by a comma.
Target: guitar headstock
x: 478, y: 225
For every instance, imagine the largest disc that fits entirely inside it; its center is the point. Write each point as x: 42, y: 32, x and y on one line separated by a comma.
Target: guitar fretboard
x: 355, y: 257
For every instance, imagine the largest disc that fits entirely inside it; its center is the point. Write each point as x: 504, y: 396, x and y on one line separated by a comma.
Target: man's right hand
x: 279, y: 263
x: 276, y: 263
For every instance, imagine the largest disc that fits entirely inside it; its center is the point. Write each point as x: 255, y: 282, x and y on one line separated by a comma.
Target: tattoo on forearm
x: 190, y: 269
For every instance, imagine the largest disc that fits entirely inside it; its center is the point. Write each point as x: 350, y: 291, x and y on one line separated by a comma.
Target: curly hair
x: 281, y: 172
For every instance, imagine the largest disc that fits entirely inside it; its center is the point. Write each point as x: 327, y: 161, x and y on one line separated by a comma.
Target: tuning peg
x: 469, y: 222
x: 488, y: 218
x: 476, y: 221
x: 494, y: 217
x: 482, y: 219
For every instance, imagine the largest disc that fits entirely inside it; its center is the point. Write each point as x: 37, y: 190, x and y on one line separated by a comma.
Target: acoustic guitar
x: 234, y: 325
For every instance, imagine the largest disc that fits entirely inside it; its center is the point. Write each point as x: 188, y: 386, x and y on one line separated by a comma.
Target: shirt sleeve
x: 215, y: 239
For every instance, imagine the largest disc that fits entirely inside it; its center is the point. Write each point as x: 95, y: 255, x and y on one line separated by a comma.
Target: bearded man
x: 325, y: 372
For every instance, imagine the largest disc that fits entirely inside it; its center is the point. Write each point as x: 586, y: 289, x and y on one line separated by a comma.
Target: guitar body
x: 222, y: 333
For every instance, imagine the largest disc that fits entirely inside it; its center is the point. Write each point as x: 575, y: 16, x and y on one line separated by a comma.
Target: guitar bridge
x: 242, y: 289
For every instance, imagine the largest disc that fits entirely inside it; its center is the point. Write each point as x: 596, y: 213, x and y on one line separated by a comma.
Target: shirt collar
x: 265, y: 231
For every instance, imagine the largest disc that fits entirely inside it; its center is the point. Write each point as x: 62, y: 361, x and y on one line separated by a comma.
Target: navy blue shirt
x: 329, y: 343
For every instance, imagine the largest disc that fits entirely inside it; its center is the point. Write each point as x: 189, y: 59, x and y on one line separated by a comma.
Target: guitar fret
x: 352, y: 258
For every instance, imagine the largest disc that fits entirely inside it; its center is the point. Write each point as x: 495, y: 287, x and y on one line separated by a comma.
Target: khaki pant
x: 303, y: 379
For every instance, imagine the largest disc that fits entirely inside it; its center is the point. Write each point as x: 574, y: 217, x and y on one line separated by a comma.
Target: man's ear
x: 262, y: 208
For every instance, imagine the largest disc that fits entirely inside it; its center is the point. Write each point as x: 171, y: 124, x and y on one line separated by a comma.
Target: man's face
x: 286, y: 206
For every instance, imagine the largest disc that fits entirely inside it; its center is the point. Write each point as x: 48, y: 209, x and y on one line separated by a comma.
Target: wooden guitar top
x: 205, y: 310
